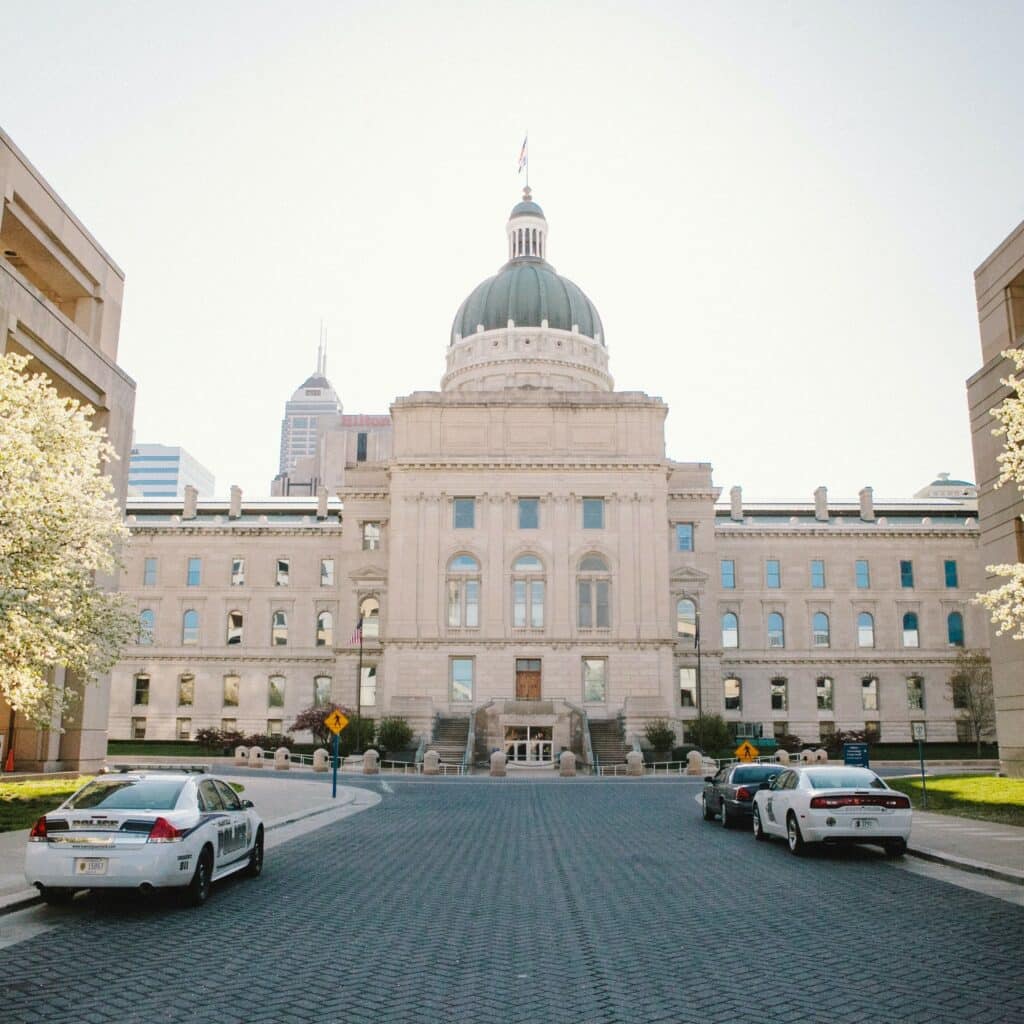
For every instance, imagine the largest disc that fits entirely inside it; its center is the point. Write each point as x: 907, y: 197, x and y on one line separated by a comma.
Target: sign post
x: 918, y: 733
x: 335, y: 721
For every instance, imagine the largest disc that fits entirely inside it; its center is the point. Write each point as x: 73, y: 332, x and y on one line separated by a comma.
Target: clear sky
x: 776, y: 207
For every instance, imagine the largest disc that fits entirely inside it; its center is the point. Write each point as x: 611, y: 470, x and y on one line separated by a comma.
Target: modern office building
x: 999, y: 286
x: 313, y: 407
x: 164, y: 471
x: 525, y: 557
x: 60, y: 303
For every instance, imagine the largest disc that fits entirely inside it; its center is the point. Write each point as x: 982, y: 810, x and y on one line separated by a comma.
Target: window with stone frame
x: 275, y: 691
x: 147, y: 621
x: 529, y: 513
x: 321, y: 691
x: 825, y: 693
x: 911, y: 635
x: 687, y: 686
x: 325, y: 629
x: 872, y: 731
x: 138, y: 728
x: 460, y: 680
x: 865, y: 630
x: 779, y: 691
x: 820, y: 635
x: 368, y: 686
x: 283, y: 572
x: 528, y: 586
x: 595, y: 680
x: 235, y: 627
x: 183, y: 728
x: 371, y: 536
x: 463, y: 598
x: 369, y: 615
x: 190, y: 628
x: 186, y: 689
x: 915, y: 693
x: 279, y: 628
x: 686, y: 622
x: 463, y: 513
x: 732, y: 693
x: 238, y: 571
x: 776, y: 630
x: 232, y: 690
x: 730, y: 630
x: 593, y: 593
x: 141, y: 689
x: 149, y: 572
x: 326, y: 572
x: 869, y: 693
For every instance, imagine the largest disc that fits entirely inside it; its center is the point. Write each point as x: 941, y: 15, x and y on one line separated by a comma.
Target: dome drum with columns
x: 527, y: 326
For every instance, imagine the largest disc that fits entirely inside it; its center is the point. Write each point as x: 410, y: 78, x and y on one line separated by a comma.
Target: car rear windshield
x: 849, y: 778
x: 129, y: 794
x: 755, y: 773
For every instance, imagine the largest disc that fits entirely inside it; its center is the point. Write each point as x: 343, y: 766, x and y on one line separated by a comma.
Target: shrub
x: 660, y: 735
x: 711, y: 734
x: 834, y: 743
x: 218, y: 739
x: 790, y: 743
x: 265, y: 742
x: 394, y: 733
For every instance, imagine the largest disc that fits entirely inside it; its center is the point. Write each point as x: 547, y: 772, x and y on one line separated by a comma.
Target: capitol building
x: 529, y: 565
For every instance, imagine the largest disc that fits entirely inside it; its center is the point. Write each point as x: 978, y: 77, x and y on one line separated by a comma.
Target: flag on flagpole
x: 357, y: 636
x: 523, y: 156
x: 696, y: 632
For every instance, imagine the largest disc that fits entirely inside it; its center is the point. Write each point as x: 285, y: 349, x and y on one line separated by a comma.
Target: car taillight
x: 38, y: 833
x: 164, y: 832
x: 744, y: 794
x: 895, y: 801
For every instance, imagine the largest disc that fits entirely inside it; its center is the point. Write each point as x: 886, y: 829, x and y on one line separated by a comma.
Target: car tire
x: 794, y: 837
x: 724, y: 814
x: 198, y: 890
x: 895, y: 847
x: 709, y: 815
x: 56, y: 897
x: 759, y: 833
x: 255, y: 866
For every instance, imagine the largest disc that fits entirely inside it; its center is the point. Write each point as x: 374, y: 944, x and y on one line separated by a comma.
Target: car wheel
x: 56, y: 897
x: 198, y: 890
x: 759, y: 833
x: 709, y: 815
x: 895, y: 847
x: 255, y: 865
x: 794, y: 837
x: 726, y: 820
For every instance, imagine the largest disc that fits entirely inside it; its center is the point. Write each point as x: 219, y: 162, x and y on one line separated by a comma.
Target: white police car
x: 145, y: 828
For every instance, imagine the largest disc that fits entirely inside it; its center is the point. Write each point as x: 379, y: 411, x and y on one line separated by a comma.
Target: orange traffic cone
x: 9, y: 763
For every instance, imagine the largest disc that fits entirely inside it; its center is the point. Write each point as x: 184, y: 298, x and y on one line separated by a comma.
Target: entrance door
x: 527, y: 679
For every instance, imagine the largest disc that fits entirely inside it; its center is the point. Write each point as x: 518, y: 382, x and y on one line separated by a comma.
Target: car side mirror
x: 709, y: 778
x: 247, y: 804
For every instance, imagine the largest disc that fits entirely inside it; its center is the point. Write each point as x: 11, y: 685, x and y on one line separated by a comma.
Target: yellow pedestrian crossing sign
x: 335, y: 721
x: 746, y: 751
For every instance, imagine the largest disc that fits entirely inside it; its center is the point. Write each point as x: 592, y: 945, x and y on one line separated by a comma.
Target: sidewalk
x: 969, y: 845
x: 281, y: 803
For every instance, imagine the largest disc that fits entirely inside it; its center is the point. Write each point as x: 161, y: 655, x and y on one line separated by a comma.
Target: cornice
x: 881, y: 660
x: 223, y: 530
x: 526, y: 464
x: 521, y: 643
x: 137, y: 657
x: 861, y: 533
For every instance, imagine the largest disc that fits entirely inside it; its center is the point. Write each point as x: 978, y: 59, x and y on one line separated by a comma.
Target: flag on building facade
x: 357, y: 636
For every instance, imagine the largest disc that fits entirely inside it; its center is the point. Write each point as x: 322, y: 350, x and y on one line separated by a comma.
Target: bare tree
x: 971, y: 688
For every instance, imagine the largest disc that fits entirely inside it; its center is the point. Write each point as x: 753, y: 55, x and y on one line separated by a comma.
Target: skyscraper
x: 313, y: 406
x: 163, y: 471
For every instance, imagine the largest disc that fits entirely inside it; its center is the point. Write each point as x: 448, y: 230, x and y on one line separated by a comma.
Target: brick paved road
x: 556, y: 902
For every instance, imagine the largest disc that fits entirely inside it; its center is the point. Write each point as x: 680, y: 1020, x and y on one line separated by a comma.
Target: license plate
x: 90, y: 865
x: 864, y: 822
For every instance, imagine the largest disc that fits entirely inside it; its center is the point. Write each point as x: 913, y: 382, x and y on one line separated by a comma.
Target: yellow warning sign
x: 335, y: 721
x: 746, y: 751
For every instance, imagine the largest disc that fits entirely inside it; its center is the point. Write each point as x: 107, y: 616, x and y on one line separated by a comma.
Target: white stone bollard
x: 241, y: 755
x: 498, y: 769
x: 567, y: 764
x: 807, y: 756
x: 694, y: 763
x: 371, y: 762
x: 282, y: 759
x: 321, y: 760
x: 634, y: 763
x: 431, y: 763
x: 782, y: 756
x: 821, y: 755
x: 255, y: 757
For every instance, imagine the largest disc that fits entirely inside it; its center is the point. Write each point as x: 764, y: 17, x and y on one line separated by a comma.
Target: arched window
x: 911, y: 637
x: 236, y: 624
x: 955, y: 629
x: 730, y: 630
x: 593, y: 593
x: 464, y: 592
x: 528, y: 592
x: 686, y: 622
x: 776, y: 630
x: 190, y: 627
x: 146, y: 622
x: 369, y: 612
x: 819, y: 630
x: 865, y: 630
x: 325, y: 630
x: 279, y: 629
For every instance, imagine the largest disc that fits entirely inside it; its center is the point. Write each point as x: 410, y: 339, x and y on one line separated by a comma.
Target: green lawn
x: 22, y: 803
x: 985, y: 797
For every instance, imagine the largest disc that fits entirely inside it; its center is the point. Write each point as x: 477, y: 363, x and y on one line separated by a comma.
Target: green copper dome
x: 527, y: 291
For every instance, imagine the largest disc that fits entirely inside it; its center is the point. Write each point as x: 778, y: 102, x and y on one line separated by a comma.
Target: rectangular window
x: 869, y: 693
x: 361, y: 446
x: 238, y: 572
x: 326, y: 572
x: 595, y: 680
x: 593, y: 513
x: 463, y: 513
x: 322, y: 691
x: 186, y: 690
x: 818, y: 574
x: 733, y: 691
x: 872, y: 731
x: 915, y: 693
x: 232, y: 685
x: 274, y: 726
x: 460, y: 679
x: 593, y: 609
x: 529, y: 513
x: 138, y: 728
x: 728, y: 574
x: 284, y: 571
x: 229, y: 724
x: 824, y: 693
x: 780, y: 729
x: 964, y: 731
x: 183, y: 728
x: 906, y: 574
x: 684, y: 536
x: 780, y: 701
x: 826, y: 731
x: 472, y: 604
x: 368, y: 686
x: 688, y: 687
x: 141, y: 690
x: 863, y: 573
x: 275, y: 692
x: 951, y: 574
x: 371, y: 536
x: 149, y: 573
x: 195, y: 572
x: 773, y: 574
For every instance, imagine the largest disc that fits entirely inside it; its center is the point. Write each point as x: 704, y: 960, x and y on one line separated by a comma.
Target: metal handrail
x: 421, y: 750
x: 588, y: 748
x: 467, y: 754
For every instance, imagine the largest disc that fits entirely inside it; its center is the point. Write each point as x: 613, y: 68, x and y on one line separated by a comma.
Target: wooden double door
x: 527, y: 678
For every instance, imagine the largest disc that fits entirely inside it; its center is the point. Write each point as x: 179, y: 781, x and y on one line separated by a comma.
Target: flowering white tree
x: 59, y: 526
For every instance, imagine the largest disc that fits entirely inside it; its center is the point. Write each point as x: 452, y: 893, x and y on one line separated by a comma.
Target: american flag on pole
x: 357, y: 635
x: 523, y: 156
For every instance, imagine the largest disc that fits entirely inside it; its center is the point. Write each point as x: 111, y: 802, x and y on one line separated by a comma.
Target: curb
x: 974, y: 867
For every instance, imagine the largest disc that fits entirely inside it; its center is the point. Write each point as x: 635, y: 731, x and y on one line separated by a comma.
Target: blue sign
x: 856, y: 754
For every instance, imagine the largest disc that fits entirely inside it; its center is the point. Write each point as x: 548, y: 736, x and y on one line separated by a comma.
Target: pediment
x: 688, y: 574
x: 369, y: 572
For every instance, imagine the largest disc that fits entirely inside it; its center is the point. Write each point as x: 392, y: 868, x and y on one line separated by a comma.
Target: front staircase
x: 608, y: 743
x: 450, y: 736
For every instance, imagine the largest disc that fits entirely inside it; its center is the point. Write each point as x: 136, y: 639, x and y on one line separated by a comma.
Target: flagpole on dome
x: 524, y: 159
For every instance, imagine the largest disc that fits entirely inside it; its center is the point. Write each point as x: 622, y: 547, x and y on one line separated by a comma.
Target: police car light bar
x: 190, y: 769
